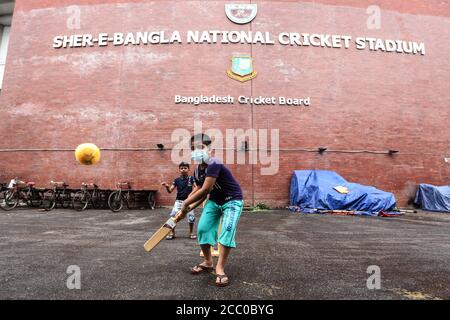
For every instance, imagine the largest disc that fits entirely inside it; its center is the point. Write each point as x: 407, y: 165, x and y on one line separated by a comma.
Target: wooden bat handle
x: 171, y: 223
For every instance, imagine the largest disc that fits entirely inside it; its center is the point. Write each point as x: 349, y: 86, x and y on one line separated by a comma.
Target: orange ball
x: 87, y: 154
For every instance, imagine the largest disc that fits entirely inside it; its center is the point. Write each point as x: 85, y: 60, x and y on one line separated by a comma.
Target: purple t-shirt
x: 184, y: 186
x: 226, y: 187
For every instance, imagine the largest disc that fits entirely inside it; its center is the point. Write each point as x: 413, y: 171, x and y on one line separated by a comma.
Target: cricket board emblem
x: 241, y: 13
x: 242, y: 68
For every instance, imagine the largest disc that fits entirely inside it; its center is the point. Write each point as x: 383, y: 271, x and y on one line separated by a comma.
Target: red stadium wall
x: 122, y: 97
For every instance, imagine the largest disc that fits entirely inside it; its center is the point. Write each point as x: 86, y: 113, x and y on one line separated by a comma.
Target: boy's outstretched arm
x: 168, y: 188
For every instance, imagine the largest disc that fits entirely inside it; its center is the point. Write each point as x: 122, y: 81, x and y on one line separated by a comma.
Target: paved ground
x: 280, y: 256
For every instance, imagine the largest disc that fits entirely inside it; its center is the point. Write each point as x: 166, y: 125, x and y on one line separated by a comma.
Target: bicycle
x: 122, y: 195
x: 58, y: 194
x: 89, y: 194
x: 19, y: 190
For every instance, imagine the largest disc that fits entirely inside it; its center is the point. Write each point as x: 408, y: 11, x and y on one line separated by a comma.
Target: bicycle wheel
x: 152, y: 200
x: 49, y: 200
x: 115, y: 201
x: 10, y: 200
x: 80, y: 201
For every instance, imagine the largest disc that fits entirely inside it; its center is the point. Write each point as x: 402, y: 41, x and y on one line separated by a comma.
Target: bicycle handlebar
x: 89, y: 185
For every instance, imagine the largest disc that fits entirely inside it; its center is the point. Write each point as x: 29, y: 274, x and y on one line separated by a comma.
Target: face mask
x: 200, y: 156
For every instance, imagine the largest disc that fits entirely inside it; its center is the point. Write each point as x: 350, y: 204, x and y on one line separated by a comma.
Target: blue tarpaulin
x: 314, y: 189
x: 433, y: 198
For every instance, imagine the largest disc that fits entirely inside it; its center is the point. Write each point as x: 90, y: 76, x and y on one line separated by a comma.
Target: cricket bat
x: 159, y: 235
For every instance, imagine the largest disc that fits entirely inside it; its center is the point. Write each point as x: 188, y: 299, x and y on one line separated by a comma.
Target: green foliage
x: 262, y: 206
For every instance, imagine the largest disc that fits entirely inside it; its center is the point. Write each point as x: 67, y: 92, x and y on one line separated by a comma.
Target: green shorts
x: 209, y: 223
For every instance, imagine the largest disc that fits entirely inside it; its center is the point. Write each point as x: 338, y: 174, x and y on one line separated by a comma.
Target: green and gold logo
x: 242, y: 68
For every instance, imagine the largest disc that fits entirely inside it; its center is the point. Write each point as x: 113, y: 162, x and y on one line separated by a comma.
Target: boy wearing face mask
x: 225, y: 201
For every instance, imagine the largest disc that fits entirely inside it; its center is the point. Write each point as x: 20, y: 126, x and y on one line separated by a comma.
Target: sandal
x: 199, y: 269
x: 170, y: 237
x: 192, y: 236
x: 222, y: 282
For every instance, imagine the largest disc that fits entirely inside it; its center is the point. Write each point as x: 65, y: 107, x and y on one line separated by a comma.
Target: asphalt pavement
x: 280, y: 255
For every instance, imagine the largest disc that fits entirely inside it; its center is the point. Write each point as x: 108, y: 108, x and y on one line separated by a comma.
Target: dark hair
x: 201, y: 137
x: 183, y: 164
